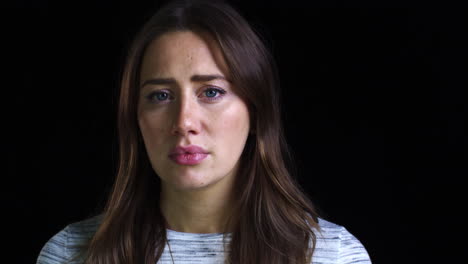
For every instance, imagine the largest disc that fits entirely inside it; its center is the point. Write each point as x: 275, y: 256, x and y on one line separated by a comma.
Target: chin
x: 187, y: 187
x: 190, y: 182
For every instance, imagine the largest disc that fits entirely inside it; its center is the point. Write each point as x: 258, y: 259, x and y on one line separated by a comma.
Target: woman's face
x: 186, y: 99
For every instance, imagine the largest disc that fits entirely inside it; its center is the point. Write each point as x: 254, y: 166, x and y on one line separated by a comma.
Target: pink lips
x: 189, y: 155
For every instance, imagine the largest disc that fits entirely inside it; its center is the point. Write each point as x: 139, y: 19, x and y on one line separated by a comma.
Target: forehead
x: 183, y: 50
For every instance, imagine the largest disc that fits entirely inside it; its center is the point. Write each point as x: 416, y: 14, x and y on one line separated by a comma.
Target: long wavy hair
x: 273, y: 221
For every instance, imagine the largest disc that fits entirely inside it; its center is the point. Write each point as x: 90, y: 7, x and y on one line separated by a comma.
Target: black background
x: 373, y: 102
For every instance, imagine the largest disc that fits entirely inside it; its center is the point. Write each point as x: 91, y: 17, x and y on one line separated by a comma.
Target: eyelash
x: 220, y: 91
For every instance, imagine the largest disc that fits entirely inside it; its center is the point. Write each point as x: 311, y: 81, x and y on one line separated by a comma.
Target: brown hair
x: 273, y: 219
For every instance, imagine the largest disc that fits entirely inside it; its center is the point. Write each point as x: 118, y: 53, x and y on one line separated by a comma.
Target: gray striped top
x: 335, y: 245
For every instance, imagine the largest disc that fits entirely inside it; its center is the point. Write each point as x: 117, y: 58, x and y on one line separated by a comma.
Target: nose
x: 186, y: 121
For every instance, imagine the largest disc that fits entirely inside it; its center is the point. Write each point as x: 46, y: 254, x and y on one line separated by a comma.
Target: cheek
x: 151, y: 130
x: 236, y: 121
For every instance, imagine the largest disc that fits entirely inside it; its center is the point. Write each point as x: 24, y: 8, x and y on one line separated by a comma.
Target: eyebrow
x: 194, y: 78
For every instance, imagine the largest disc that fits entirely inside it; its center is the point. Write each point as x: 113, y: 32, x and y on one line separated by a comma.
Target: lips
x: 189, y: 155
x: 191, y: 149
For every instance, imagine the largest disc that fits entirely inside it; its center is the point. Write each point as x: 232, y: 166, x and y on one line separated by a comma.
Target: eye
x: 212, y: 92
x: 158, y: 96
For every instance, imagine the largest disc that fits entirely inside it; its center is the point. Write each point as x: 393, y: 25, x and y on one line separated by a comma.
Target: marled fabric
x: 335, y: 246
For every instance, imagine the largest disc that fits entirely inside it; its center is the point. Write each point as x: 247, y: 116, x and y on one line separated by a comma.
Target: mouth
x: 190, y: 149
x: 188, y: 158
x: 188, y: 155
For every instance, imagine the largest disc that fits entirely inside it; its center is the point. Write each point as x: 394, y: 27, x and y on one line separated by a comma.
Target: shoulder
x: 335, y: 244
x: 67, y: 243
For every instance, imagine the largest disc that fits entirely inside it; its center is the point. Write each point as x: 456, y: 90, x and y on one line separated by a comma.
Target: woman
x: 203, y: 175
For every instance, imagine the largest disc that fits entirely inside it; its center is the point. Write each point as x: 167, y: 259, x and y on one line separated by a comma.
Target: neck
x: 196, y: 211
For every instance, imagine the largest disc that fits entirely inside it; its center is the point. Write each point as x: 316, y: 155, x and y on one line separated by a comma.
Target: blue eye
x: 158, y: 96
x: 162, y: 96
x: 212, y: 92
